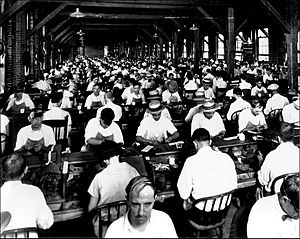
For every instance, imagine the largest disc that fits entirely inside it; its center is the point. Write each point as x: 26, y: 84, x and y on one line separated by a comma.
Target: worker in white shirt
x: 277, y: 101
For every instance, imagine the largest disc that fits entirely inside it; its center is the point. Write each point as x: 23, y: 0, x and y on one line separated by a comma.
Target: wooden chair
x: 27, y: 232
x: 60, y: 129
x: 108, y: 213
x: 213, y: 215
x: 246, y: 94
x: 3, y: 143
x: 274, y: 118
x: 5, y: 220
x: 276, y: 183
x: 235, y: 116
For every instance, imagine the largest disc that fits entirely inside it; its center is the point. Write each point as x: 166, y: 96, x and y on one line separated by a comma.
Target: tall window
x: 205, y: 47
x: 220, y: 47
x: 184, y: 53
x: 298, y: 47
x: 170, y: 50
x: 263, y: 45
x: 238, y: 46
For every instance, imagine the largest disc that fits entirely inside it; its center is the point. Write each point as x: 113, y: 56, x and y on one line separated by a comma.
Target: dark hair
x: 109, y: 149
x: 13, y: 166
x: 136, y: 83
x: 107, y: 115
x: 138, y: 181
x: 255, y: 102
x: 56, y: 97
x: 201, y: 134
x: 237, y: 91
x: 290, y: 188
x: 286, y: 132
x: 97, y: 84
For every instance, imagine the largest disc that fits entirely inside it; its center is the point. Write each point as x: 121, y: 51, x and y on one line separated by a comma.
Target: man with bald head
x: 141, y: 220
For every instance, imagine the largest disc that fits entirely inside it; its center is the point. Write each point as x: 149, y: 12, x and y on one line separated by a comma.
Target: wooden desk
x: 82, y: 168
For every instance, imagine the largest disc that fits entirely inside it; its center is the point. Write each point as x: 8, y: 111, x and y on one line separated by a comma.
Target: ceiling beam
x: 62, y: 33
x: 60, y: 25
x: 148, y: 4
x: 67, y: 35
x: 12, y: 10
x: 239, y: 28
x: 241, y: 37
x: 162, y: 32
x: 113, y: 24
x: 47, y: 19
x: 177, y: 24
x: 211, y: 19
x: 107, y: 28
x: 277, y: 15
x: 70, y: 41
x: 264, y: 32
x: 149, y: 35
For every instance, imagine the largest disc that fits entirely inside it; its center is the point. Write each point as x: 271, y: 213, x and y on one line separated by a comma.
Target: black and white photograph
x: 149, y: 118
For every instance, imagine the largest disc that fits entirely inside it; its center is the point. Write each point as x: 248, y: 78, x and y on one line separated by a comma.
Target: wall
x: 93, y: 51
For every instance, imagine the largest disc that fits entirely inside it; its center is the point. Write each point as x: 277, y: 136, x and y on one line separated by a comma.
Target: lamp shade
x: 77, y: 14
x: 194, y: 28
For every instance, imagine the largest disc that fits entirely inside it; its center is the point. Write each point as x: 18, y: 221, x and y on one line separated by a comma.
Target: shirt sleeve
x: 243, y: 120
x: 90, y: 131
x: 45, y: 217
x: 21, y: 139
x: 229, y: 113
x: 88, y: 102
x: 195, y: 123
x: 29, y: 103
x: 171, y: 127
x: 219, y: 123
x: 95, y: 186
x: 267, y: 109
x: 263, y: 174
x: 262, y: 119
x: 185, y: 182
x: 50, y: 138
x: 141, y: 131
x: 118, y: 136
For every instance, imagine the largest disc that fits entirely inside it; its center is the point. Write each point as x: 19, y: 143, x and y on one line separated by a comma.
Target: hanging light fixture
x: 194, y: 28
x: 77, y: 14
x: 155, y: 34
x: 80, y: 33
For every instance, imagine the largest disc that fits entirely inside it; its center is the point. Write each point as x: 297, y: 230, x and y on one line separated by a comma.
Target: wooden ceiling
x: 124, y: 20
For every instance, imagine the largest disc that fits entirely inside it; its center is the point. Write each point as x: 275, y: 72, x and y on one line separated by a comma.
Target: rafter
x: 277, y: 15
x: 60, y: 25
x: 162, y: 32
x: 12, y: 10
x: 47, y: 18
x: 211, y: 19
x: 62, y: 33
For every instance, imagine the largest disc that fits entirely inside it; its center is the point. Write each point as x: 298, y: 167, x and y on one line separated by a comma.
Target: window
x: 238, y: 46
x: 220, y: 47
x: 298, y: 47
x: 184, y: 53
x: 205, y: 47
x: 169, y: 50
x: 263, y: 45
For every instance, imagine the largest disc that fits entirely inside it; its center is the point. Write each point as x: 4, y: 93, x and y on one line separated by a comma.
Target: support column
x: 291, y: 40
x: 276, y: 46
x: 212, y: 46
x: 161, y: 50
x: 142, y: 51
x: 197, y: 50
x: 230, y: 42
x: 175, y: 41
x: 16, y: 41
